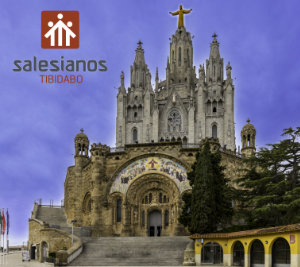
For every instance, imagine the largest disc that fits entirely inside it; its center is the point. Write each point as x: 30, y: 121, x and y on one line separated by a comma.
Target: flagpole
x: 3, y: 235
x: 3, y: 232
x: 7, y: 249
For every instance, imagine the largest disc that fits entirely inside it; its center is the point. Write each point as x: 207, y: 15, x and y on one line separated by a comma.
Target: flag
x: 7, y: 221
x: 4, y: 223
x: 1, y: 224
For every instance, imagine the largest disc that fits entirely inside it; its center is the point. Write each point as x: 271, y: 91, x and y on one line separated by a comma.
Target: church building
x: 135, y: 188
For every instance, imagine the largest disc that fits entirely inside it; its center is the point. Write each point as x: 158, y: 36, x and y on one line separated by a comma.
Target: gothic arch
x: 85, y: 204
x: 145, y: 155
x: 152, y: 180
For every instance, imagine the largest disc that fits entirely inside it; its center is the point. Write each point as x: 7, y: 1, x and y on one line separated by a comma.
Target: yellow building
x: 276, y: 246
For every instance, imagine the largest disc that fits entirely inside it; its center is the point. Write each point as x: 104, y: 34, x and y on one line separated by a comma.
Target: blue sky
x: 39, y: 121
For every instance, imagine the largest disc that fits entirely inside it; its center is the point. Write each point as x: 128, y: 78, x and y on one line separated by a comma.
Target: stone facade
x: 117, y: 190
x: 182, y: 107
x: 96, y: 184
x: 43, y: 236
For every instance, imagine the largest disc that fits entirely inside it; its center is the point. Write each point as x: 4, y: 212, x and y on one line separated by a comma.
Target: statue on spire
x: 180, y: 13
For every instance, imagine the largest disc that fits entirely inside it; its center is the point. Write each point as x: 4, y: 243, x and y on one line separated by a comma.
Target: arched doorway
x: 44, y: 251
x: 257, y: 254
x: 212, y: 253
x: 238, y: 254
x: 155, y: 223
x: 281, y: 253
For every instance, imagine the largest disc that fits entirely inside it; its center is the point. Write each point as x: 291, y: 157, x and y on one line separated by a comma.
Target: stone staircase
x: 132, y: 251
x: 55, y: 217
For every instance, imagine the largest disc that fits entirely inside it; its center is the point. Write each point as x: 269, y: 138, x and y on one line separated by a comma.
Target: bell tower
x: 248, y: 134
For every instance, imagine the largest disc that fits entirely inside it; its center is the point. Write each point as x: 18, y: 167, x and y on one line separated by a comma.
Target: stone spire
x: 156, y: 81
x: 139, y: 69
x: 214, y: 65
x: 214, y: 47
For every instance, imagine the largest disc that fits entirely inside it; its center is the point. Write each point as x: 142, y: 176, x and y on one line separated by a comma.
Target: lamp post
x: 73, y: 221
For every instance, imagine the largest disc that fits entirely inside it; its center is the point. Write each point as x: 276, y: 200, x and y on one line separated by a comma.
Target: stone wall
x: 96, y: 175
x: 40, y: 233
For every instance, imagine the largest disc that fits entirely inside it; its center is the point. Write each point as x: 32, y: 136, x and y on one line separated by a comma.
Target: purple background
x: 39, y: 121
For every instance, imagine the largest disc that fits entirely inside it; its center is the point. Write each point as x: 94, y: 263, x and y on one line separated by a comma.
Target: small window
x: 135, y: 114
x: 160, y: 197
x: 142, y: 201
x: 119, y: 210
x: 135, y: 97
x: 214, y: 70
x: 169, y: 128
x: 146, y: 200
x: 165, y: 199
x: 135, y: 135
x: 117, y: 158
x: 214, y: 92
x: 179, y: 127
x: 190, y: 154
x: 150, y: 198
x: 167, y: 218
x: 214, y: 109
x: 179, y: 56
x: 214, y: 131
x: 143, y: 218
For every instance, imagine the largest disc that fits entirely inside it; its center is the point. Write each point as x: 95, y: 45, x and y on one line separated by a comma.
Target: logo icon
x: 60, y: 29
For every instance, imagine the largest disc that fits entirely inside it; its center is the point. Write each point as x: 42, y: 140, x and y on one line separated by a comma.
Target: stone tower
x: 248, y: 134
x: 183, y: 107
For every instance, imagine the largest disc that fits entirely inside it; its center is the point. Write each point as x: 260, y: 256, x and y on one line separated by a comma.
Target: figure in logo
x: 180, y: 12
x: 60, y: 26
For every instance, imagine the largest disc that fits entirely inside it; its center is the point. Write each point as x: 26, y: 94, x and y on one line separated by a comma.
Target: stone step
x: 132, y: 251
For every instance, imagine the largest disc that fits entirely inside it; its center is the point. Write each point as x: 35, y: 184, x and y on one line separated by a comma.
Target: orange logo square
x: 60, y: 29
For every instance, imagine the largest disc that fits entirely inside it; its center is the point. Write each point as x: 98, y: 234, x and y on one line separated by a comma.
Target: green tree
x: 269, y: 193
x: 210, y: 201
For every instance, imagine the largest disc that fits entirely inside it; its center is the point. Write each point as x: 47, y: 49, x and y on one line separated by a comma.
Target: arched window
x: 281, y: 253
x: 90, y: 205
x: 174, y: 119
x: 146, y: 199
x: 214, y: 92
x: 142, y: 201
x: 214, y: 131
x: 212, y: 253
x: 214, y: 71
x: 179, y: 56
x: 172, y: 55
x: 214, y: 109
x: 257, y: 254
x: 187, y: 54
x: 238, y: 254
x: 165, y: 199
x: 160, y: 197
x: 248, y: 140
x: 143, y: 218
x: 135, y: 114
x: 135, y: 135
x: 135, y: 98
x: 167, y: 218
x: 119, y: 210
x: 150, y: 198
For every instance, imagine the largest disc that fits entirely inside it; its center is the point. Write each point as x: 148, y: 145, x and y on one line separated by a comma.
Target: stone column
x: 247, y: 260
x: 132, y: 215
x: 268, y: 259
x: 230, y: 259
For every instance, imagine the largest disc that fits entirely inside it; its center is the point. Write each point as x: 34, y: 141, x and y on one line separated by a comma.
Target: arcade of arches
x: 270, y: 247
